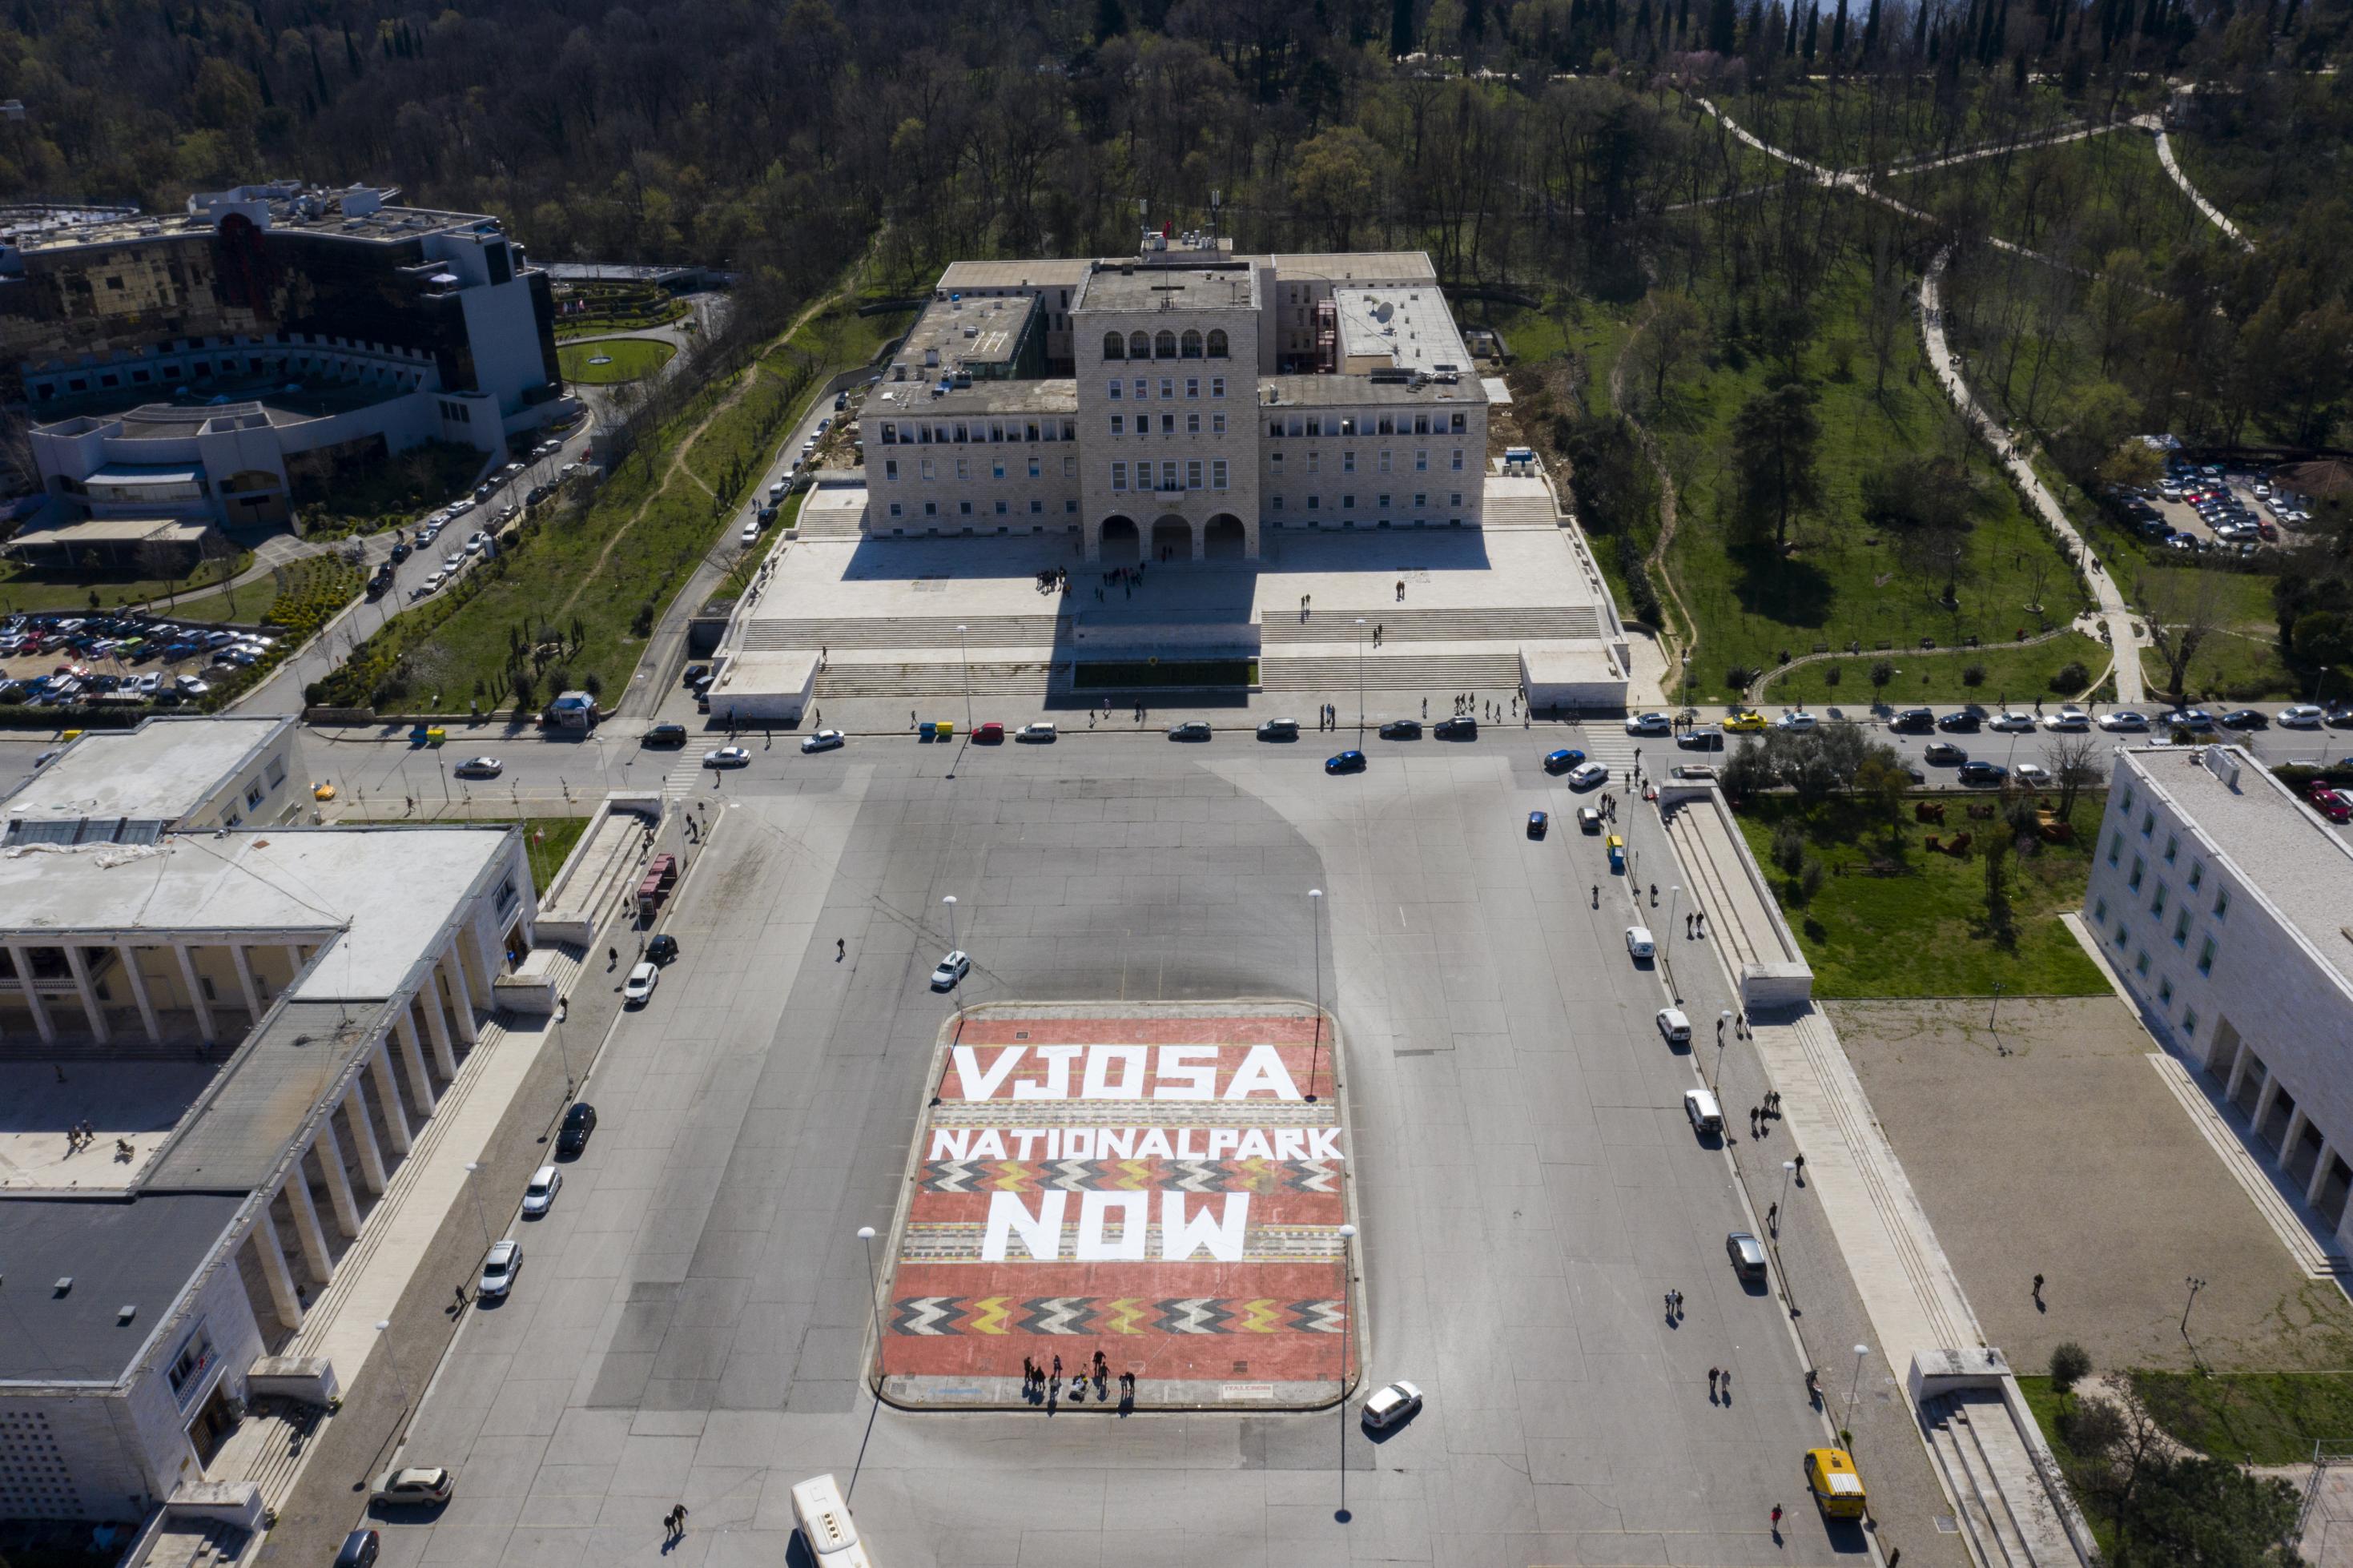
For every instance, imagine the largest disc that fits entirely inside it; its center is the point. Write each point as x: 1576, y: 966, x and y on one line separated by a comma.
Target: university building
x: 1178, y: 402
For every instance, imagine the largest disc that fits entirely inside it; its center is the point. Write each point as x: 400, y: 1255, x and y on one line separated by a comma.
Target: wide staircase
x: 1502, y: 510
x: 268, y: 1446
x: 813, y: 633
x: 1494, y: 673
x: 1533, y: 623
x: 941, y: 678
x: 2005, y: 1507
x: 1718, y: 888
x: 601, y: 871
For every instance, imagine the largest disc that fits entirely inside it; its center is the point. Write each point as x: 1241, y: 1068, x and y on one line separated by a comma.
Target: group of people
x: 1762, y: 1117
x: 1125, y: 578
x: 1054, y: 580
x: 1040, y: 1382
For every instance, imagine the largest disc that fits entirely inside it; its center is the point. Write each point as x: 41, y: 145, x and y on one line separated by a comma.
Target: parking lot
x: 2204, y: 509
x: 56, y: 661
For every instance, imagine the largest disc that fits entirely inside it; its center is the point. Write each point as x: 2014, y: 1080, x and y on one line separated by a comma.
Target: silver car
x: 499, y: 1268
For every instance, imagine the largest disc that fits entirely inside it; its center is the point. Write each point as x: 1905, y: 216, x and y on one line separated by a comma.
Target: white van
x: 824, y: 1523
x: 1700, y: 1105
x: 1674, y: 1025
x: 776, y: 491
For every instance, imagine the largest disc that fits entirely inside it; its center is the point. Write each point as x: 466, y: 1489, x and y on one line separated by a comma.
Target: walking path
x: 2214, y: 214
x: 1679, y: 643
x: 2114, y: 614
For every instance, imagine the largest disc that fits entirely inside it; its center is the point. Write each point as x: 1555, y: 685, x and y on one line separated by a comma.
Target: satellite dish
x: 1383, y: 310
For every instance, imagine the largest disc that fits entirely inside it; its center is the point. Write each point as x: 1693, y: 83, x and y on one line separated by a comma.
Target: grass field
x: 394, y: 490
x: 1913, y: 924
x: 630, y: 358
x: 2250, y: 1417
x: 29, y: 588
x: 1839, y: 581
x: 2025, y: 673
x: 253, y: 603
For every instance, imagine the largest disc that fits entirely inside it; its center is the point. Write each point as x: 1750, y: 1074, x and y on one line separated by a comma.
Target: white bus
x: 823, y: 1519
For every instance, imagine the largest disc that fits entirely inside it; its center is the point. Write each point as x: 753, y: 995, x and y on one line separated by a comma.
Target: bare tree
x: 2183, y: 608
x: 2075, y: 762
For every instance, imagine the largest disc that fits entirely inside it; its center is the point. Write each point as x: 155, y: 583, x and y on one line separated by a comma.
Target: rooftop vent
x: 127, y: 1312
x: 65, y: 1284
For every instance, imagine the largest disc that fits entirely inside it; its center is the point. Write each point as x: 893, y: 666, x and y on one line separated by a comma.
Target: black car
x: 1963, y: 722
x: 400, y: 553
x: 1460, y: 729
x: 2244, y: 719
x: 1983, y: 773
x: 666, y: 735
x: 1913, y: 721
x: 663, y: 949
x: 1401, y: 730
x: 359, y: 1550
x: 697, y: 676
x: 578, y: 1122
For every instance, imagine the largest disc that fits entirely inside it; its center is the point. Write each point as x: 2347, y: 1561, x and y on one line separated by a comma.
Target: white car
x: 2190, y: 719
x: 824, y: 741
x: 474, y: 545
x: 1585, y: 776
x: 953, y: 968
x: 451, y: 564
x: 2013, y: 722
x: 2068, y: 720
x: 499, y: 1268
x: 1705, y: 1114
x: 1674, y: 1026
x: 727, y: 757
x: 412, y: 1485
x: 2302, y: 716
x: 428, y: 585
x: 2124, y: 719
x: 1649, y: 725
x: 2034, y: 776
x: 1639, y: 943
x: 639, y: 986
x: 1798, y: 722
x: 538, y: 1193
x: 1037, y: 731
x: 1392, y: 1404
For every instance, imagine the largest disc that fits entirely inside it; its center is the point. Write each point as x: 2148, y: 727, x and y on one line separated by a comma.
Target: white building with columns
x: 2225, y: 905
x: 266, y: 1014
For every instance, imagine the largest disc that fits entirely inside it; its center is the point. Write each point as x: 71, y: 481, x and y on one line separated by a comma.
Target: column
x: 90, y: 1009
x: 2320, y: 1164
x: 387, y: 1093
x: 272, y: 1249
x: 245, y: 979
x: 294, y: 960
x: 419, y: 1083
x: 306, y: 1225
x: 22, y: 956
x: 339, y: 1196
x: 2232, y: 1080
x: 436, y: 1027
x: 1199, y: 532
x: 130, y: 957
x: 2263, y: 1105
x: 2296, y: 1121
x: 196, y: 994
x: 364, y: 1137
x: 462, y: 995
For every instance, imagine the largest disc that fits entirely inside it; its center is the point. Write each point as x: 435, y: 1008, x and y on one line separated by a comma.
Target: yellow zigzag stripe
x: 1261, y: 1318
x: 1138, y: 1173
x: 988, y: 1315
x: 1124, y: 1316
x: 1012, y: 1171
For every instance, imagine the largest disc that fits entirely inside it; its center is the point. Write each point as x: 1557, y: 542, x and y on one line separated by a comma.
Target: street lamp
x: 1347, y: 1333
x: 873, y: 1291
x: 473, y: 1168
x: 1360, y: 677
x: 1788, y: 1169
x: 382, y: 1330
x: 1723, y: 1022
x: 1674, y: 903
x: 1853, y: 1389
x: 2195, y: 1285
x: 965, y: 655
x: 950, y: 902
x: 1315, y: 921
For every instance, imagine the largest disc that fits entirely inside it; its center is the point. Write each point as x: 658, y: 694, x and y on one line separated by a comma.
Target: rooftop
x: 1405, y: 326
x: 354, y: 212
x: 241, y: 1128
x: 1329, y: 391
x: 982, y: 331
x: 916, y: 399
x: 1363, y: 267
x: 311, y: 880
x: 2300, y: 865
x: 119, y: 1252
x: 157, y: 772
x: 223, y: 403
x: 1122, y: 287
x: 1062, y: 274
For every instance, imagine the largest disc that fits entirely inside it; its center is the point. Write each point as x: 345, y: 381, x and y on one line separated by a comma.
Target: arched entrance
x: 1172, y: 539
x: 1225, y: 539
x: 1120, y: 544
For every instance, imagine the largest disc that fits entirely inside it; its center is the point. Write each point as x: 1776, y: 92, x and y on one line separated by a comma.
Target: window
x: 1193, y: 474
x: 1138, y: 346
x: 2148, y: 822
x: 2157, y: 904
x: 897, y: 510
x: 1383, y: 500
x: 1069, y: 467
x: 1191, y: 343
x: 2123, y: 935
x: 1142, y: 389
x: 1347, y: 503
x: 1218, y: 346
x: 927, y: 467
x: 2140, y: 964
x: 1216, y: 424
x: 1458, y: 459
x: 1169, y: 425
x: 2116, y: 845
x: 963, y: 467
x: 1114, y: 389
x: 1114, y: 348
x: 2188, y: 1022
x: 1167, y: 386
x: 1315, y: 426
x: 1000, y: 509
x: 1420, y: 500
x: 1314, y: 503
x: 1169, y: 474
x: 1348, y: 462
x: 2172, y: 847
x: 1458, y: 499
x: 1421, y: 460
x: 2182, y: 927
x: 997, y: 470
x: 2197, y: 874
x: 2221, y: 902
x: 188, y: 1368
x: 1119, y: 475
x: 931, y: 508
x: 2206, y: 956
x: 1315, y: 461
x: 1216, y: 473
x: 1071, y: 505
x: 964, y: 509
x: 890, y: 468
x: 2127, y: 804
x: 1192, y: 387
x: 2100, y: 912
x: 1035, y: 469
x: 1275, y: 460
x: 2165, y: 991
x: 1274, y: 503
x: 1119, y: 424
x: 254, y: 794
x: 2134, y: 881
x: 1217, y: 384
x: 1192, y: 424
x: 1036, y: 507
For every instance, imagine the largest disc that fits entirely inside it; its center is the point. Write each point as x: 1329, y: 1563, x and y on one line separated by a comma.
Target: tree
x: 1673, y: 334
x: 1335, y: 178
x: 2076, y: 764
x: 2133, y: 463
x: 2070, y: 1365
x: 2183, y: 609
x: 1882, y: 780
x: 1996, y: 853
x: 1774, y: 442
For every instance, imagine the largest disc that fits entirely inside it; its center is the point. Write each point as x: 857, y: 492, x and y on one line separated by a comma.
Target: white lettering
x: 988, y: 1145
x: 1079, y: 1144
x: 1135, y: 1226
x: 1097, y: 1084
x: 1058, y: 1075
x: 1040, y: 1234
x: 1289, y: 1144
x: 1153, y: 1141
x: 1262, y: 1069
x: 1053, y: 1143
x: 1181, y: 1236
x: 1255, y: 1145
x: 951, y: 1143
x: 1114, y: 1143
x: 1184, y: 1075
x: 976, y: 1084
x: 1324, y: 1143
x: 1222, y: 1141
x: 1185, y: 1150
x: 1025, y: 1139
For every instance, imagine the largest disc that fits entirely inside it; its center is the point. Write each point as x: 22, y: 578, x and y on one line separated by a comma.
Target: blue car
x: 1537, y: 822
x: 1560, y: 762
x: 1345, y: 762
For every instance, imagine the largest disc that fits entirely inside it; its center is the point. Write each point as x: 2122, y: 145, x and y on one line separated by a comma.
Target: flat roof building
x: 253, y: 1016
x: 2224, y: 904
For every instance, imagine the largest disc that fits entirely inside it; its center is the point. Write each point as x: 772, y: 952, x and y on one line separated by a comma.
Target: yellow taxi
x: 1617, y: 852
x: 1745, y: 723
x: 1838, y: 1489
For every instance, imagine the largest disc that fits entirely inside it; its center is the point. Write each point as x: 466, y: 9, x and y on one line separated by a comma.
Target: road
x: 693, y: 1315
x: 282, y: 692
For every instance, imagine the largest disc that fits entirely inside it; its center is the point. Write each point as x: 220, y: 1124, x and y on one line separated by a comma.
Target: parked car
x: 1746, y: 722
x: 413, y: 1484
x: 2301, y: 716
x: 578, y: 1123
x: 1586, y: 776
x: 1674, y: 1025
x: 2123, y: 720
x: 1960, y: 722
x: 824, y: 741
x: 2013, y: 723
x: 480, y: 768
x: 951, y: 969
x: 2068, y: 721
x: 1748, y: 1254
x: 1538, y: 823
x: 1943, y: 753
x: 639, y: 987
x: 2246, y: 719
x: 359, y: 1550
x: 1702, y: 1111
x: 538, y: 1193
x: 1397, y: 1403
x: 727, y: 757
x: 1461, y: 728
x: 1798, y: 722
x: 1914, y: 721
x: 1649, y: 725
x: 1278, y: 729
x: 1561, y: 760
x: 1640, y: 944
x: 1982, y: 773
x: 1401, y: 730
x: 663, y: 949
x: 1190, y: 730
x: 499, y: 1269
x: 1038, y: 731
x: 2331, y: 804
x: 1345, y: 762
x: 2034, y: 776
x: 666, y: 735
x: 990, y: 733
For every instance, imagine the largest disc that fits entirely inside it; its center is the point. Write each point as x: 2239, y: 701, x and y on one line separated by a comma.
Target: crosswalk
x: 683, y: 779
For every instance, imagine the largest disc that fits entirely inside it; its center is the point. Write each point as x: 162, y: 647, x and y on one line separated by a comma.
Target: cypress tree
x: 318, y: 80
x: 1400, y: 26
x: 1871, y: 31
x: 352, y: 54
x: 1838, y: 32
x: 1722, y: 21
x: 268, y: 99
x: 1813, y: 20
x: 1920, y: 30
x: 1789, y: 33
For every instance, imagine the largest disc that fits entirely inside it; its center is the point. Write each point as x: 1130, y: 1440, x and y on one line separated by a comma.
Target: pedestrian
x: 681, y: 1519
x: 1753, y: 1114
x: 1057, y: 1368
x: 1800, y: 1163
x: 1894, y: 1555
x: 1679, y: 1303
x: 1712, y: 1373
x: 1719, y: 1028
x: 1777, y: 1518
x: 2038, y: 1289
x: 459, y: 1291
x: 1400, y: 599
x: 840, y: 948
x: 60, y: 1070
x: 1425, y: 707
x: 612, y: 959
x: 1773, y: 1219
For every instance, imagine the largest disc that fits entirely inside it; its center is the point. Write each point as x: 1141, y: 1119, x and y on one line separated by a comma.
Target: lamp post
x: 1360, y: 677
x: 875, y: 1306
x: 1674, y: 903
x: 1853, y: 1389
x: 1788, y: 1169
x: 382, y: 1332
x: 1723, y: 1022
x: 473, y: 1168
x: 1315, y: 920
x: 1996, y: 1015
x: 950, y: 902
x: 964, y: 654
x: 1347, y: 1333
x: 2195, y: 1285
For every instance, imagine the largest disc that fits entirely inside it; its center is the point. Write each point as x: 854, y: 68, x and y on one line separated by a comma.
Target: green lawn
x: 2251, y: 1417
x: 2240, y: 661
x: 30, y: 588
x: 1840, y: 580
x: 2025, y: 673
x: 1913, y: 925
x: 394, y: 490
x: 628, y: 359
x: 2046, y: 1405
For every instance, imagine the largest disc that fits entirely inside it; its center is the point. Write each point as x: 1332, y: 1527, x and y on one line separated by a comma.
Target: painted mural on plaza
x: 1161, y: 1189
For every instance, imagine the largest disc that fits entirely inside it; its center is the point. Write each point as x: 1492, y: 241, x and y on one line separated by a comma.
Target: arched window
x: 1115, y: 346
x: 1138, y: 346
x: 1192, y: 342
x: 1217, y: 343
x: 1165, y: 345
